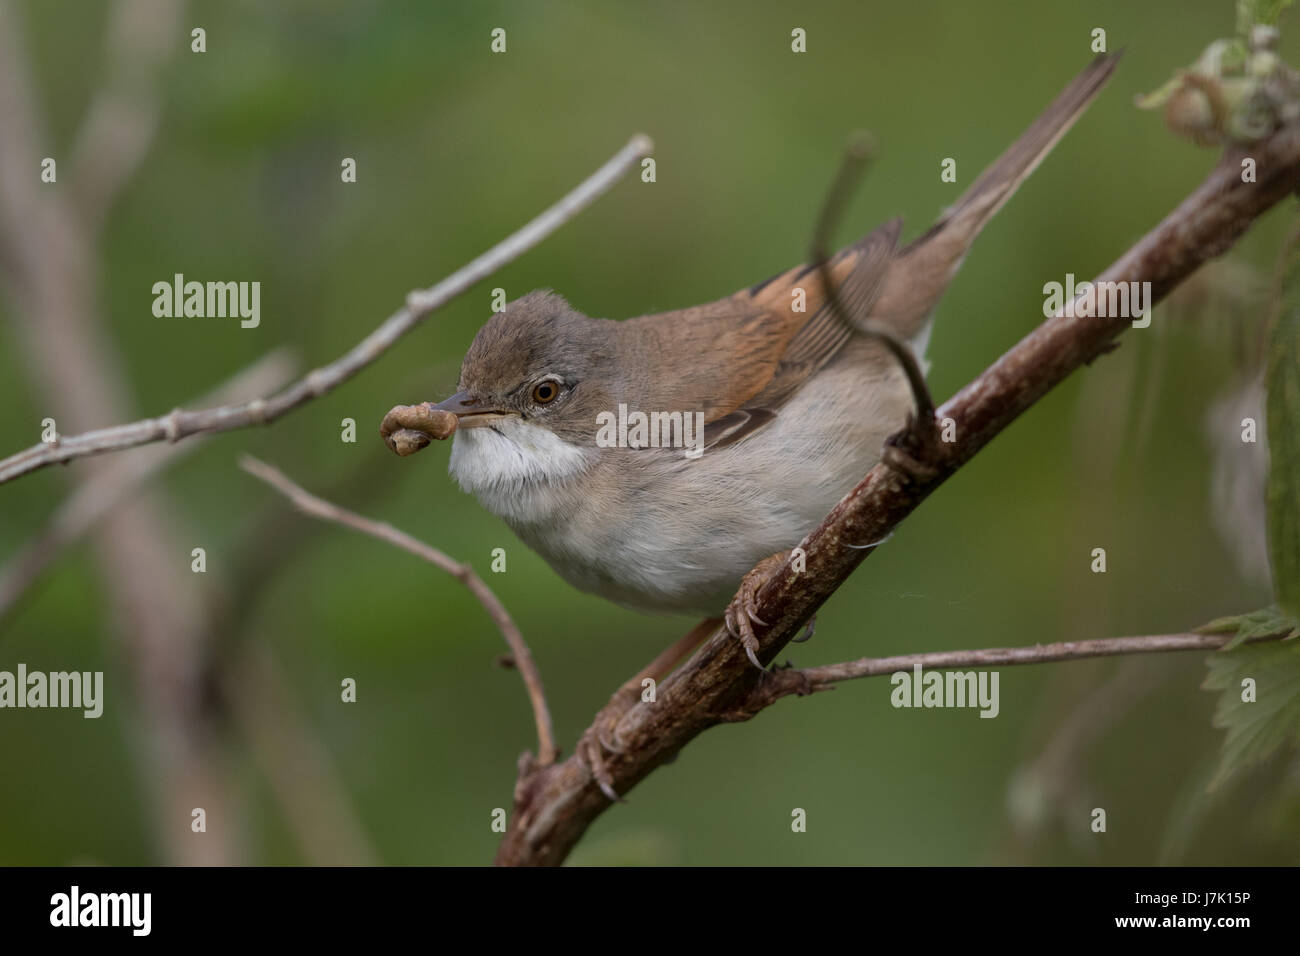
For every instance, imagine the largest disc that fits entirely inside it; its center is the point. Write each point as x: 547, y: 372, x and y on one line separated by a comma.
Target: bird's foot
x: 741, y: 613
x: 906, y: 452
x: 601, y: 738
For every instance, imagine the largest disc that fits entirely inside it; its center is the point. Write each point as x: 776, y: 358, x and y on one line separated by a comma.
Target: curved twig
x: 308, y: 503
x: 857, y: 158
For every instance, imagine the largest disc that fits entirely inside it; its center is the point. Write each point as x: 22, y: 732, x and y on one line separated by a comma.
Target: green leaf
x: 1238, y: 90
x: 1282, y: 409
x: 1266, y: 622
x: 1266, y: 12
x: 1257, y: 728
x: 1159, y: 97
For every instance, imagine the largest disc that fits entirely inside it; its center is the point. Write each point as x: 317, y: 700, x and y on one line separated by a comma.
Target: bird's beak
x: 472, y: 412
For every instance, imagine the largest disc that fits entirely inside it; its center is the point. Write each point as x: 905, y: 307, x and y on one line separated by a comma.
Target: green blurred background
x: 456, y: 147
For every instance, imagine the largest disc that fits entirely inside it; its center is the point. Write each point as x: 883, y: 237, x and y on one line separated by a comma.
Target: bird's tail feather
x: 999, y: 181
x: 927, y: 264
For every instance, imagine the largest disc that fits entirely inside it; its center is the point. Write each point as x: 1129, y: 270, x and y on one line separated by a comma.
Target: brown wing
x: 770, y: 348
x: 859, y: 273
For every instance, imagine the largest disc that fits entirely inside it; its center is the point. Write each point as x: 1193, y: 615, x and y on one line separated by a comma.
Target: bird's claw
x: 589, y: 749
x: 809, y: 630
x: 738, y: 625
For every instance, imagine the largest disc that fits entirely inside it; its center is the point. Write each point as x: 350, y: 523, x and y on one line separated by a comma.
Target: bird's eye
x: 546, y: 392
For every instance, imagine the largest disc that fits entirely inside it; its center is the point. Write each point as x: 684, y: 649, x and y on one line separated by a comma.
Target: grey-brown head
x: 540, y: 362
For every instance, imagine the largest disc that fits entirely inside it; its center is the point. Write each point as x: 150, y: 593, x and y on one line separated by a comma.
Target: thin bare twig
x: 807, y: 680
x: 96, y: 497
x: 420, y: 303
x: 308, y: 503
x: 555, y: 805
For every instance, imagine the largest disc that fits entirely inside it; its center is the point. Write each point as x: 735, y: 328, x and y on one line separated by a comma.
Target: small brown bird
x: 656, y: 460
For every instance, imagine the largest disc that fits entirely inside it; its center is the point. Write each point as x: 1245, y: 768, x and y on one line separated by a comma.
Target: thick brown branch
x: 179, y: 424
x: 320, y: 508
x: 555, y: 805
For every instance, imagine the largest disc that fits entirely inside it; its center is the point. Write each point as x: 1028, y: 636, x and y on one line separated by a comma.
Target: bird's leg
x: 601, y: 736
